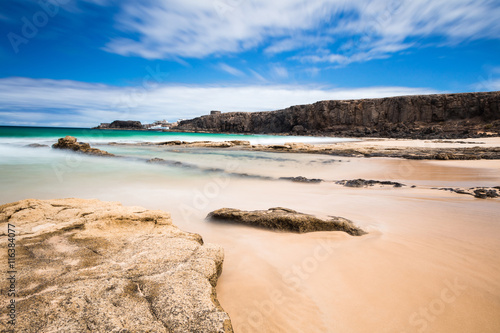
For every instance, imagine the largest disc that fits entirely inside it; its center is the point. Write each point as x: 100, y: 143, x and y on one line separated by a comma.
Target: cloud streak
x: 350, y: 31
x: 78, y: 104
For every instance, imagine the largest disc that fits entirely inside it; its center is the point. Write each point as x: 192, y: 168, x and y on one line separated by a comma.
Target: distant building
x: 215, y: 112
x: 160, y: 125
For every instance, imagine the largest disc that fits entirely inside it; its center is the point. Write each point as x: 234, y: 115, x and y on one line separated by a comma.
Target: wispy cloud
x: 230, y: 69
x: 71, y: 103
x: 355, y: 30
x: 279, y: 71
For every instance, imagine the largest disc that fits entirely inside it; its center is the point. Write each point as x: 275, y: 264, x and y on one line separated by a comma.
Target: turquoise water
x: 49, y: 135
x: 43, y: 172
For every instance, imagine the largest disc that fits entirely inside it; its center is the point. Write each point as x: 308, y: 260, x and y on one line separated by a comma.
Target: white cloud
x: 231, y: 70
x: 279, y: 71
x: 71, y: 103
x: 193, y: 28
x: 489, y: 84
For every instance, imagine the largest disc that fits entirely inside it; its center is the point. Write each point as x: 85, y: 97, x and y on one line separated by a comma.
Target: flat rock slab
x: 93, y: 266
x: 284, y: 219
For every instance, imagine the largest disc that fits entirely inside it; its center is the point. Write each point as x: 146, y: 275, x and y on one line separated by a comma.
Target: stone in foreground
x: 284, y: 219
x: 71, y: 143
x: 93, y: 266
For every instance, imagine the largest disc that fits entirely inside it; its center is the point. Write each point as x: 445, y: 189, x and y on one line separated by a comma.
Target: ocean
x: 49, y: 135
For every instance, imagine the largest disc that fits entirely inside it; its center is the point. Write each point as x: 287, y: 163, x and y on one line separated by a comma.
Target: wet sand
x: 430, y: 263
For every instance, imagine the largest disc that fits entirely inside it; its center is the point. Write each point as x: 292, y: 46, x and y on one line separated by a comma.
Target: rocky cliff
x: 421, y: 116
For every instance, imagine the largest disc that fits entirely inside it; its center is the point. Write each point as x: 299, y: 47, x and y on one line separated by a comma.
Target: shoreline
x: 465, y: 149
x: 420, y: 240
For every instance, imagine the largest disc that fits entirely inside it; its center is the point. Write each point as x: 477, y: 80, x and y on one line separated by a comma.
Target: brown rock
x: 71, y: 143
x: 284, y: 219
x: 92, y: 266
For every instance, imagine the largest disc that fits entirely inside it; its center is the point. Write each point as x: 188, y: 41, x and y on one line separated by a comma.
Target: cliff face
x: 450, y: 115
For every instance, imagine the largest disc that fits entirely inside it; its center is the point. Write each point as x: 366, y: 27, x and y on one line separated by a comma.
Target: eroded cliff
x: 421, y: 116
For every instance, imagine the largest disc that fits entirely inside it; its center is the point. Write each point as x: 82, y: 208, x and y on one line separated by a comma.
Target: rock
x: 171, y: 143
x: 155, y: 160
x: 240, y: 142
x: 301, y: 179
x: 93, y: 266
x: 36, y: 145
x: 71, y: 143
x: 284, y: 219
x: 477, y: 192
x: 485, y: 193
x: 363, y: 182
x: 417, y: 117
x: 122, y: 124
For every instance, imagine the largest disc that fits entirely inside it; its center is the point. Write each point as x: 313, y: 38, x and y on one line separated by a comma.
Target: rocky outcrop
x: 411, y: 153
x: 71, y: 143
x: 477, y: 192
x: 365, y: 183
x: 422, y: 116
x: 93, y: 266
x: 284, y: 219
x: 302, y: 179
x: 209, y: 144
x: 122, y: 124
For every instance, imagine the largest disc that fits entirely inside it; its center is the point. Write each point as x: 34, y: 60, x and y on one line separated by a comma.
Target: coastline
x: 420, y: 240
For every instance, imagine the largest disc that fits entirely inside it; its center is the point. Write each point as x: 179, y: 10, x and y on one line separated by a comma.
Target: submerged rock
x: 93, y: 266
x: 483, y: 193
x: 301, y: 179
x: 284, y: 219
x: 477, y: 192
x: 71, y: 143
x: 37, y: 145
x: 363, y: 182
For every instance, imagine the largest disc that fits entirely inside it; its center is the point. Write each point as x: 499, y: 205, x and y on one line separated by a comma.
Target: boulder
x: 284, y: 219
x: 93, y: 266
x: 71, y: 143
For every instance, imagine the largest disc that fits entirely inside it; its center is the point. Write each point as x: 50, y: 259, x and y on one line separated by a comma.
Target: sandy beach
x: 429, y: 263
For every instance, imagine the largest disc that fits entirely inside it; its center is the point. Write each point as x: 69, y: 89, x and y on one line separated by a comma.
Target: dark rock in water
x: 477, y: 192
x: 155, y: 160
x: 71, y: 143
x: 36, y: 145
x: 485, y: 193
x: 363, y: 182
x: 284, y: 219
x: 93, y: 266
x: 437, y: 116
x: 301, y: 179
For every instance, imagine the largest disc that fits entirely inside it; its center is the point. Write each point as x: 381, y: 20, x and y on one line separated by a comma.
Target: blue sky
x: 82, y: 62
